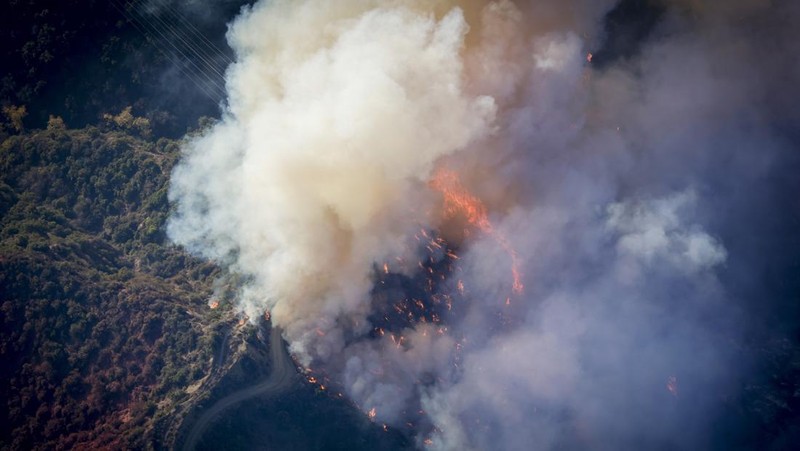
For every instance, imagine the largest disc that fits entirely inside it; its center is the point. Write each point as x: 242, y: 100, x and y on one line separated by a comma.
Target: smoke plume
x: 481, y: 235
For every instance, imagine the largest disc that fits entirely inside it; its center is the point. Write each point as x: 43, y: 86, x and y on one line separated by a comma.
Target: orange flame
x: 459, y: 201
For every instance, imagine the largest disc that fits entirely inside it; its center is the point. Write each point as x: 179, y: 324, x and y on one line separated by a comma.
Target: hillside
x: 108, y: 339
x: 102, y: 323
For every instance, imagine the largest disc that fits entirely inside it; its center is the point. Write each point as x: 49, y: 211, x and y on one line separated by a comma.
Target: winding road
x: 278, y: 379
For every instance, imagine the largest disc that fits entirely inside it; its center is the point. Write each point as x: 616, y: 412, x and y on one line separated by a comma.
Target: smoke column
x: 612, y: 191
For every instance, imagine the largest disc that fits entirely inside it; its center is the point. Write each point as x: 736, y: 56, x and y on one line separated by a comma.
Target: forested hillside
x: 102, y: 333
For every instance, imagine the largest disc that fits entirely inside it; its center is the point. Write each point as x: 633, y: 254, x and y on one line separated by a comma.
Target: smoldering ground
x: 637, y: 196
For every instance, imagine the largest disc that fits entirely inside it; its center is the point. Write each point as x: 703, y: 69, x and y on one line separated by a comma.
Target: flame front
x: 459, y: 201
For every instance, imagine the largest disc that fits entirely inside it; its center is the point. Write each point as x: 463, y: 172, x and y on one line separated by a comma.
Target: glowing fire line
x: 458, y: 200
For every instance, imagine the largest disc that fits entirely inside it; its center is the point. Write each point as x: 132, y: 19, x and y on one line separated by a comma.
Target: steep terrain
x: 105, y: 325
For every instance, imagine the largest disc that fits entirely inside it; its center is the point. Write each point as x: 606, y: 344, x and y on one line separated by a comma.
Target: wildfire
x: 459, y: 201
x: 320, y: 380
x: 371, y: 414
x: 213, y: 304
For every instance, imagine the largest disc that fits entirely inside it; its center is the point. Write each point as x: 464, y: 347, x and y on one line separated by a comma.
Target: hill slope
x: 101, y: 331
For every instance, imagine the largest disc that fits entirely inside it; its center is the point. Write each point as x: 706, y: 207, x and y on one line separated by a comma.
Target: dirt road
x: 279, y: 378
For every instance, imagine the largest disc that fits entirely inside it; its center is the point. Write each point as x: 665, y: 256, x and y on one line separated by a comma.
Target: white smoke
x: 338, y: 114
x: 317, y: 169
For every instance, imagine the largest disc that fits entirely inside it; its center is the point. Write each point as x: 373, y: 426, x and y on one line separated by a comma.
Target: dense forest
x: 104, y: 324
